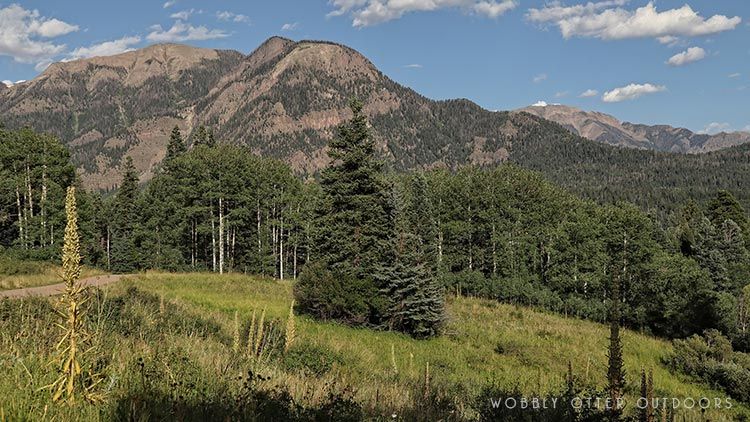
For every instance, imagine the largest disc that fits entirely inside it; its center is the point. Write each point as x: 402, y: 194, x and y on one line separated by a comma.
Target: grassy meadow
x: 169, y: 346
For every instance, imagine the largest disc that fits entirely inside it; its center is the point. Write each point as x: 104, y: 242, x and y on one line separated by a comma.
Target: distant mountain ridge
x: 285, y: 100
x: 607, y: 129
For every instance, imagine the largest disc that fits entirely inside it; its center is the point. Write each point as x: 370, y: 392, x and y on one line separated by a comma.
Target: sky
x: 684, y: 63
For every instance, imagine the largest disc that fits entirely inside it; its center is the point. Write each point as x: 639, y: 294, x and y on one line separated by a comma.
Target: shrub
x: 326, y: 294
x: 710, y: 358
x: 312, y: 359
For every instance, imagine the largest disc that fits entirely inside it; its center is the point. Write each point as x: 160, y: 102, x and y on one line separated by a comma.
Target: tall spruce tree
x: 415, y: 299
x: 176, y: 145
x: 204, y: 137
x: 124, y: 256
x: 353, y: 226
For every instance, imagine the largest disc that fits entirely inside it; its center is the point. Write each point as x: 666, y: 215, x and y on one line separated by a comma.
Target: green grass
x: 22, y: 274
x: 165, y: 349
x: 536, y: 346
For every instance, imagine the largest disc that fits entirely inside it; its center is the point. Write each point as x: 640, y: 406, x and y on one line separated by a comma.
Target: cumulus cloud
x: 540, y: 104
x: 610, y: 21
x: 169, y: 4
x: 25, y: 34
x: 182, y: 31
x: 715, y: 127
x: 289, y: 26
x: 631, y: 92
x: 183, y: 14
x: 107, y: 48
x: 692, y: 54
x: 539, y: 78
x: 589, y: 93
x: 232, y: 17
x: 373, y: 12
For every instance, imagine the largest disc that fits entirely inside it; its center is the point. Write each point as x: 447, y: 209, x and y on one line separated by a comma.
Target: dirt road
x: 55, y: 289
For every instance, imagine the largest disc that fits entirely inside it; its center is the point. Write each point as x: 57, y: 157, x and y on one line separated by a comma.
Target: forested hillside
x: 285, y: 100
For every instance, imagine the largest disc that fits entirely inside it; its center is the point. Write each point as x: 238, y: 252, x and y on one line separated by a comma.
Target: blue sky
x: 684, y: 63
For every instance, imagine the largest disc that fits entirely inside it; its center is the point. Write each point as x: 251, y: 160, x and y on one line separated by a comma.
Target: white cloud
x: 735, y: 75
x: 589, y: 93
x: 609, y: 21
x: 169, y: 4
x: 631, y: 92
x: 540, y: 104
x: 182, y: 31
x: 413, y: 66
x: 746, y: 128
x: 539, y: 78
x: 232, y: 17
x: 561, y: 94
x: 107, y: 48
x: 493, y: 9
x: 555, y: 11
x: 24, y: 34
x: 289, y: 26
x: 692, y: 54
x: 715, y: 127
x: 182, y: 15
x: 373, y: 12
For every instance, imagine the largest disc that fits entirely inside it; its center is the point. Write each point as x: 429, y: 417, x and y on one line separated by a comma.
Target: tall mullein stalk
x: 236, y: 333
x: 251, y: 337
x: 290, y: 332
x: 259, y: 333
x: 72, y: 312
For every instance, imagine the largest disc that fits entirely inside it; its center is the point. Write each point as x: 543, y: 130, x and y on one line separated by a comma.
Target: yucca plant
x: 70, y: 349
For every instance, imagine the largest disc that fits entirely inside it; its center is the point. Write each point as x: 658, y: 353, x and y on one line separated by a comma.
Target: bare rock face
x: 604, y: 128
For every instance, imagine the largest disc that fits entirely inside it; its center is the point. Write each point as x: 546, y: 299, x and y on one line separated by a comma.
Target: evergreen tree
x: 204, y: 137
x: 124, y: 256
x: 354, y: 224
x: 176, y: 145
x: 415, y: 300
x: 726, y: 207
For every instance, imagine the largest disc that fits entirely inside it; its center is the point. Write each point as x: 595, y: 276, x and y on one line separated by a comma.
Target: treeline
x: 373, y: 247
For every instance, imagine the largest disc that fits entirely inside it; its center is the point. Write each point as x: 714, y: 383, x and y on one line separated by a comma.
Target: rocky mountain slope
x: 607, y: 129
x: 286, y: 98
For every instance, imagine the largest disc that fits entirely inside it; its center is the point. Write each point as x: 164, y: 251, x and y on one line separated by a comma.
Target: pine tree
x: 615, y: 367
x: 124, y: 255
x: 416, y: 301
x: 353, y: 227
x: 176, y: 146
x: 204, y: 137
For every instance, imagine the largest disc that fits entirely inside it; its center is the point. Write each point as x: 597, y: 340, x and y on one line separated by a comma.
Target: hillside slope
x: 485, y: 342
x: 607, y: 129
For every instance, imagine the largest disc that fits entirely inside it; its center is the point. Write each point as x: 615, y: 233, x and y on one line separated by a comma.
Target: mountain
x: 286, y: 98
x: 607, y: 129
